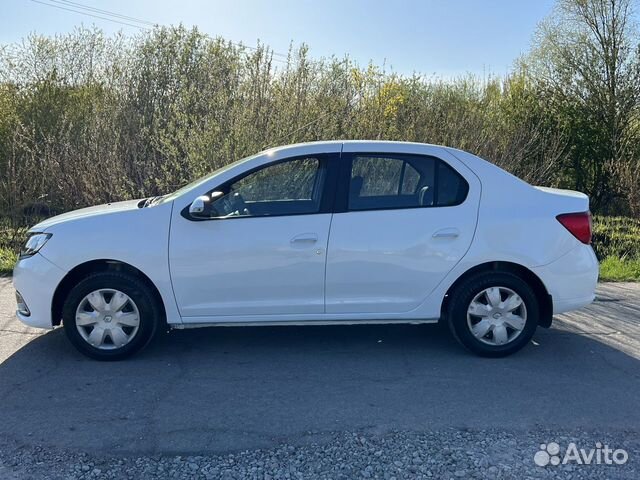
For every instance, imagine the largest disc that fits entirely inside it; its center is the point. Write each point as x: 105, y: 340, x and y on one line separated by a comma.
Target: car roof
x: 381, y: 143
x: 480, y: 167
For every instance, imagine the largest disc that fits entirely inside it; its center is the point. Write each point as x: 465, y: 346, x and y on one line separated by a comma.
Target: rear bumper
x: 571, y: 280
x: 572, y: 304
x: 36, y: 279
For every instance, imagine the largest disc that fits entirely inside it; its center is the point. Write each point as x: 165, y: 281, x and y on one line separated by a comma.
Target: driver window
x: 285, y: 188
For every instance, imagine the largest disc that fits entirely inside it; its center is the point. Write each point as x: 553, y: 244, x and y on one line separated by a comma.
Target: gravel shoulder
x: 323, y: 402
x: 447, y: 454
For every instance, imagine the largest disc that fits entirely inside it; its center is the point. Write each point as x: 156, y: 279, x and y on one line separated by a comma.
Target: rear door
x: 402, y: 221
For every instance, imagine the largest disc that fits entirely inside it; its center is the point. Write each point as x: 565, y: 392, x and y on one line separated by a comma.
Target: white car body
x: 373, y: 266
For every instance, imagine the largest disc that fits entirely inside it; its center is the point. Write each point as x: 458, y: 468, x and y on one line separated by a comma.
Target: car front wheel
x: 493, y: 314
x: 110, y: 315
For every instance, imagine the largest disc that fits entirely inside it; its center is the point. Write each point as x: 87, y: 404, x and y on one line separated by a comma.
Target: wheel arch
x: 102, y: 265
x: 544, y: 298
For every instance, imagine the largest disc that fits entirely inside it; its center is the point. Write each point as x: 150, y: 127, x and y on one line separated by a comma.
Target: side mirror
x: 202, y: 206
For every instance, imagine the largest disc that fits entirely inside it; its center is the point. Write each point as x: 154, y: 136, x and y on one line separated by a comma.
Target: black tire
x: 148, y: 309
x: 465, y: 293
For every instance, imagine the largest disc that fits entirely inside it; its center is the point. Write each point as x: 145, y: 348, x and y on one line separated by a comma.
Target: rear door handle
x: 447, y: 233
x: 303, y: 238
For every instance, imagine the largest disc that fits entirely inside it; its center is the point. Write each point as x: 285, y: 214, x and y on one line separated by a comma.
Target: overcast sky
x: 442, y: 37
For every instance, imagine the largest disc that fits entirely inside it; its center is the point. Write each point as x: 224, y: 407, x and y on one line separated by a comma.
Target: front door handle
x: 305, y: 238
x: 447, y: 233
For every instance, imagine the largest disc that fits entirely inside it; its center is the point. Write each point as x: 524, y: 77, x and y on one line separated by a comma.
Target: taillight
x: 579, y: 224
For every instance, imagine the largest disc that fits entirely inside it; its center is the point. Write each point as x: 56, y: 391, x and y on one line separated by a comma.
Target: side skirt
x: 269, y: 323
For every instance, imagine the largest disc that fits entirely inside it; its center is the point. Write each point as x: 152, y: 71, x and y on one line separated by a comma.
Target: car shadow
x: 221, y: 389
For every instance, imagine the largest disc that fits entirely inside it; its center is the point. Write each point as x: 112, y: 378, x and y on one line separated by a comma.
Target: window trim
x: 403, y: 176
x: 342, y: 194
x: 327, y: 161
x: 403, y: 168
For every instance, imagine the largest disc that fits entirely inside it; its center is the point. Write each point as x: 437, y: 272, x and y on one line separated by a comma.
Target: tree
x: 587, y: 60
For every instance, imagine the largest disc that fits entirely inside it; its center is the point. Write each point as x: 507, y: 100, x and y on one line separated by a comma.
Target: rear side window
x: 403, y: 181
x: 452, y: 188
x: 375, y: 177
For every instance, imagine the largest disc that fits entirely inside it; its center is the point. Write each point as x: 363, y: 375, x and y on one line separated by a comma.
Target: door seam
x: 326, y: 261
x: 333, y: 212
x: 173, y: 291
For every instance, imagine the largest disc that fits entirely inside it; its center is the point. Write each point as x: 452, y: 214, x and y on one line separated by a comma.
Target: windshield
x: 200, y: 181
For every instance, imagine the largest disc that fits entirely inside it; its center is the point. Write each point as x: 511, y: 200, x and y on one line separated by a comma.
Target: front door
x: 263, y: 250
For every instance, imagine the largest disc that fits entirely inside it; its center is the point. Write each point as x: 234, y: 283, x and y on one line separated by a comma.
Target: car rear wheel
x: 493, y: 314
x: 110, y: 315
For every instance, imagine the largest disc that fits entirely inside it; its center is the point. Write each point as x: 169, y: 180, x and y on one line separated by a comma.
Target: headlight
x: 34, y: 243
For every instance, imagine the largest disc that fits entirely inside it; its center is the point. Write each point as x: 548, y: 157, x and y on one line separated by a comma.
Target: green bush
x: 12, y: 238
x: 86, y: 118
x: 617, y: 237
x: 7, y: 260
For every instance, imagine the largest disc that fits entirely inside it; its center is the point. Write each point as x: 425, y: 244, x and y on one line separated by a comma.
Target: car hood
x: 106, y: 209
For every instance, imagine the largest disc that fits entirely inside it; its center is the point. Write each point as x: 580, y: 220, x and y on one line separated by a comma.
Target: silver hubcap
x: 107, y: 319
x: 496, y: 316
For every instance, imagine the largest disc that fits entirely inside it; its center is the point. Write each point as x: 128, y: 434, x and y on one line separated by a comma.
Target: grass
x: 616, y: 241
x: 614, y: 269
x: 616, y: 237
x: 7, y: 260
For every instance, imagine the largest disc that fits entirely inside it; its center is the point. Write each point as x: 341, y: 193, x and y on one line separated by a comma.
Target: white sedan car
x: 352, y: 232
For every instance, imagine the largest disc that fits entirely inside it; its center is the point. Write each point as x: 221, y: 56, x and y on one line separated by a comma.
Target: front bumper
x: 36, y: 279
x: 571, y: 280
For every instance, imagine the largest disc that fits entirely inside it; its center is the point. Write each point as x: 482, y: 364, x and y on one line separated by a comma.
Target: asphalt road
x: 227, y: 389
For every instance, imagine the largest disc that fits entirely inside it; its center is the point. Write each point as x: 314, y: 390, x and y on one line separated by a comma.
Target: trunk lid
x: 565, y: 201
